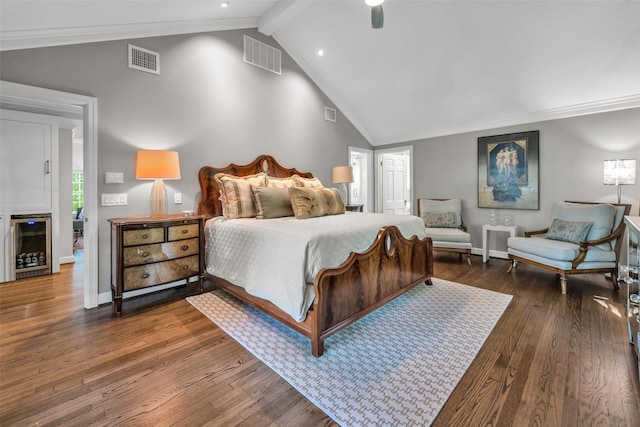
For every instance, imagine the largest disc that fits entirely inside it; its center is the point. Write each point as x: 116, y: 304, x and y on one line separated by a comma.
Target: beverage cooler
x: 29, y: 246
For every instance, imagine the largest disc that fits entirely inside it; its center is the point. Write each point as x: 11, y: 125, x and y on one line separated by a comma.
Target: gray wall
x: 206, y: 103
x: 571, y: 158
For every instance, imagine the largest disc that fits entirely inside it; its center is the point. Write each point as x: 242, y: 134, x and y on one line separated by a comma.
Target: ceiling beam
x: 281, y: 14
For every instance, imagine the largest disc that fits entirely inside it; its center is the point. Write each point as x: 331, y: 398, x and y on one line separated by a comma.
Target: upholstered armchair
x: 443, y: 221
x: 584, y: 237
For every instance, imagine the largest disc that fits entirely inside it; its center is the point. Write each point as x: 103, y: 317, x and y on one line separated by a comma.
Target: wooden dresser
x: 147, y: 252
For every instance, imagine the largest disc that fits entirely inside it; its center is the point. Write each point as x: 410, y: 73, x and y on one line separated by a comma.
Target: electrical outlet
x: 177, y: 198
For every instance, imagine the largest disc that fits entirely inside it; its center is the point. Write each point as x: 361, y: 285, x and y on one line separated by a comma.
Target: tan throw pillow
x: 280, y: 182
x: 272, y: 202
x: 307, y: 182
x: 237, y: 197
x: 313, y: 202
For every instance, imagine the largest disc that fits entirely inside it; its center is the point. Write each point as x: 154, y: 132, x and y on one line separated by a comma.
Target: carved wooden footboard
x: 366, y: 281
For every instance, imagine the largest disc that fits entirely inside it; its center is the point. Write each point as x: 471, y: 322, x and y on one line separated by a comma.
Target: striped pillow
x: 237, y: 198
x: 307, y: 182
x: 312, y: 202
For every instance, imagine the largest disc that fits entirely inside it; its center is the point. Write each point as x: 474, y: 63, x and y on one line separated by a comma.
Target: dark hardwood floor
x: 552, y: 360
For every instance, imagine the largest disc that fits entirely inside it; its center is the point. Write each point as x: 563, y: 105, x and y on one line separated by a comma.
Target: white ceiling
x: 436, y: 68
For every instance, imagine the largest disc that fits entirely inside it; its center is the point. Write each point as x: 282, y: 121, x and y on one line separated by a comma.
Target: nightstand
x: 354, y: 208
x: 147, y: 252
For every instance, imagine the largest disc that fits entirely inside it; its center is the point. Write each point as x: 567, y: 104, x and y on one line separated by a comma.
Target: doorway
x: 395, y: 180
x: 361, y: 190
x: 63, y: 104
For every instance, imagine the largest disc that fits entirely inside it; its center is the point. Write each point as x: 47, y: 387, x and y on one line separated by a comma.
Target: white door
x: 395, y: 171
x: 26, y: 167
x: 361, y: 189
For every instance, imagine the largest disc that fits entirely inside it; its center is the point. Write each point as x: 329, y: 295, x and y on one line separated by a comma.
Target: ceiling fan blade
x: 377, y: 17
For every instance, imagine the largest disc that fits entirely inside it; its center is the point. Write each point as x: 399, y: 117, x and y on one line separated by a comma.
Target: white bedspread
x: 278, y: 259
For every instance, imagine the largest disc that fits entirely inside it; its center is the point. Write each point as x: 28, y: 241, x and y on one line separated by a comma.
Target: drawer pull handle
x: 143, y: 254
x: 145, y: 276
x: 185, y: 247
x: 185, y: 231
x: 145, y: 236
x: 185, y: 267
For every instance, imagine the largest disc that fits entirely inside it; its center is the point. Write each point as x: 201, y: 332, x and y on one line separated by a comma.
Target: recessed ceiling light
x: 320, y: 52
x: 224, y: 4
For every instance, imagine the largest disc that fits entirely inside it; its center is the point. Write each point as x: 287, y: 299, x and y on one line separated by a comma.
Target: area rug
x: 396, y: 366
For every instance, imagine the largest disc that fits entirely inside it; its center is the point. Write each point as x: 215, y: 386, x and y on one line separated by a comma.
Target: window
x: 77, y: 191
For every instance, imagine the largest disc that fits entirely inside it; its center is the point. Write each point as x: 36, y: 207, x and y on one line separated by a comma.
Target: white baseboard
x: 67, y: 259
x: 105, y: 297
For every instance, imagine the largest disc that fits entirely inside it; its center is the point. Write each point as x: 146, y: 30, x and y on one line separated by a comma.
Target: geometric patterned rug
x: 396, y: 366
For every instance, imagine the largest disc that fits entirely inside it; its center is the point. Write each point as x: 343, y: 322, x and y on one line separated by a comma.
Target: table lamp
x: 620, y: 172
x: 343, y: 175
x: 158, y: 165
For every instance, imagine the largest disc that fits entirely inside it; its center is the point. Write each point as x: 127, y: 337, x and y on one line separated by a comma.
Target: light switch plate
x: 113, y: 178
x: 177, y: 198
x: 119, y: 199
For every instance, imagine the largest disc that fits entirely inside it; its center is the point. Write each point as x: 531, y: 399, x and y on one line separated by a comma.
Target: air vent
x: 262, y: 55
x: 144, y: 59
x: 330, y: 114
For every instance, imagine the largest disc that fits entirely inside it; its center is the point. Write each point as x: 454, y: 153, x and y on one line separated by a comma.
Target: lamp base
x: 158, y: 203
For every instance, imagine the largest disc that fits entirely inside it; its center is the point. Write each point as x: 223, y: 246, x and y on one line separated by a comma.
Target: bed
x: 314, y: 282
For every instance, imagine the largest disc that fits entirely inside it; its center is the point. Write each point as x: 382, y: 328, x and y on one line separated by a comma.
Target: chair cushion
x: 549, y: 250
x: 442, y: 206
x: 448, y: 235
x: 602, y: 215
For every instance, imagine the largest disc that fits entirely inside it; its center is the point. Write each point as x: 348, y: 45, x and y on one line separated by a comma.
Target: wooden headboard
x: 210, y: 204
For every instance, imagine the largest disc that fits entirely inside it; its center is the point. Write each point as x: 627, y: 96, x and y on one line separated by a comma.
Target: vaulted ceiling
x: 436, y: 68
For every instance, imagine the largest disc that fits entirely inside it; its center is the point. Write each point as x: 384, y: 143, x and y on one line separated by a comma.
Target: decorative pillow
x: 312, y: 202
x: 272, y: 202
x: 236, y: 195
x: 567, y: 231
x: 280, y: 182
x: 440, y: 219
x: 306, y: 182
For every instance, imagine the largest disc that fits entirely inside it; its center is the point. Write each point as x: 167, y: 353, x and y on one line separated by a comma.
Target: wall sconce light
x: 343, y: 175
x: 158, y: 165
x: 620, y: 172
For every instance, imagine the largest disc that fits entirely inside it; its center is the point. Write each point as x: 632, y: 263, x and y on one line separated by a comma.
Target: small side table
x: 486, y: 228
x: 354, y: 208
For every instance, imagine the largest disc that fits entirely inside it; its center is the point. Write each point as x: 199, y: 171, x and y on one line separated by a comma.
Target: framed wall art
x: 508, y: 171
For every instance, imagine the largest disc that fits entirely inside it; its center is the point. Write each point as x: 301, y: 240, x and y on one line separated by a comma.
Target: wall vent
x: 262, y: 55
x: 144, y: 59
x: 330, y: 114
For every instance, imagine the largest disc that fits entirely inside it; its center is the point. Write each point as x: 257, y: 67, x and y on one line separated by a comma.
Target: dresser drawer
x: 136, y: 255
x: 144, y: 276
x: 143, y: 236
x: 185, y: 231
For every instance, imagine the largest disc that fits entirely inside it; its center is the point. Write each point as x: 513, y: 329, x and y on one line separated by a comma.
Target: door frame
x: 371, y: 180
x: 37, y: 99
x: 379, y: 185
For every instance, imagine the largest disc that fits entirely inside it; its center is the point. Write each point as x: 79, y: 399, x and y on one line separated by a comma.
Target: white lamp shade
x: 620, y: 172
x: 342, y: 175
x: 373, y: 3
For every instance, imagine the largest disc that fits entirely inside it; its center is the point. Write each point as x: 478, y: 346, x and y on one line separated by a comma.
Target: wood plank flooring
x: 552, y: 360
